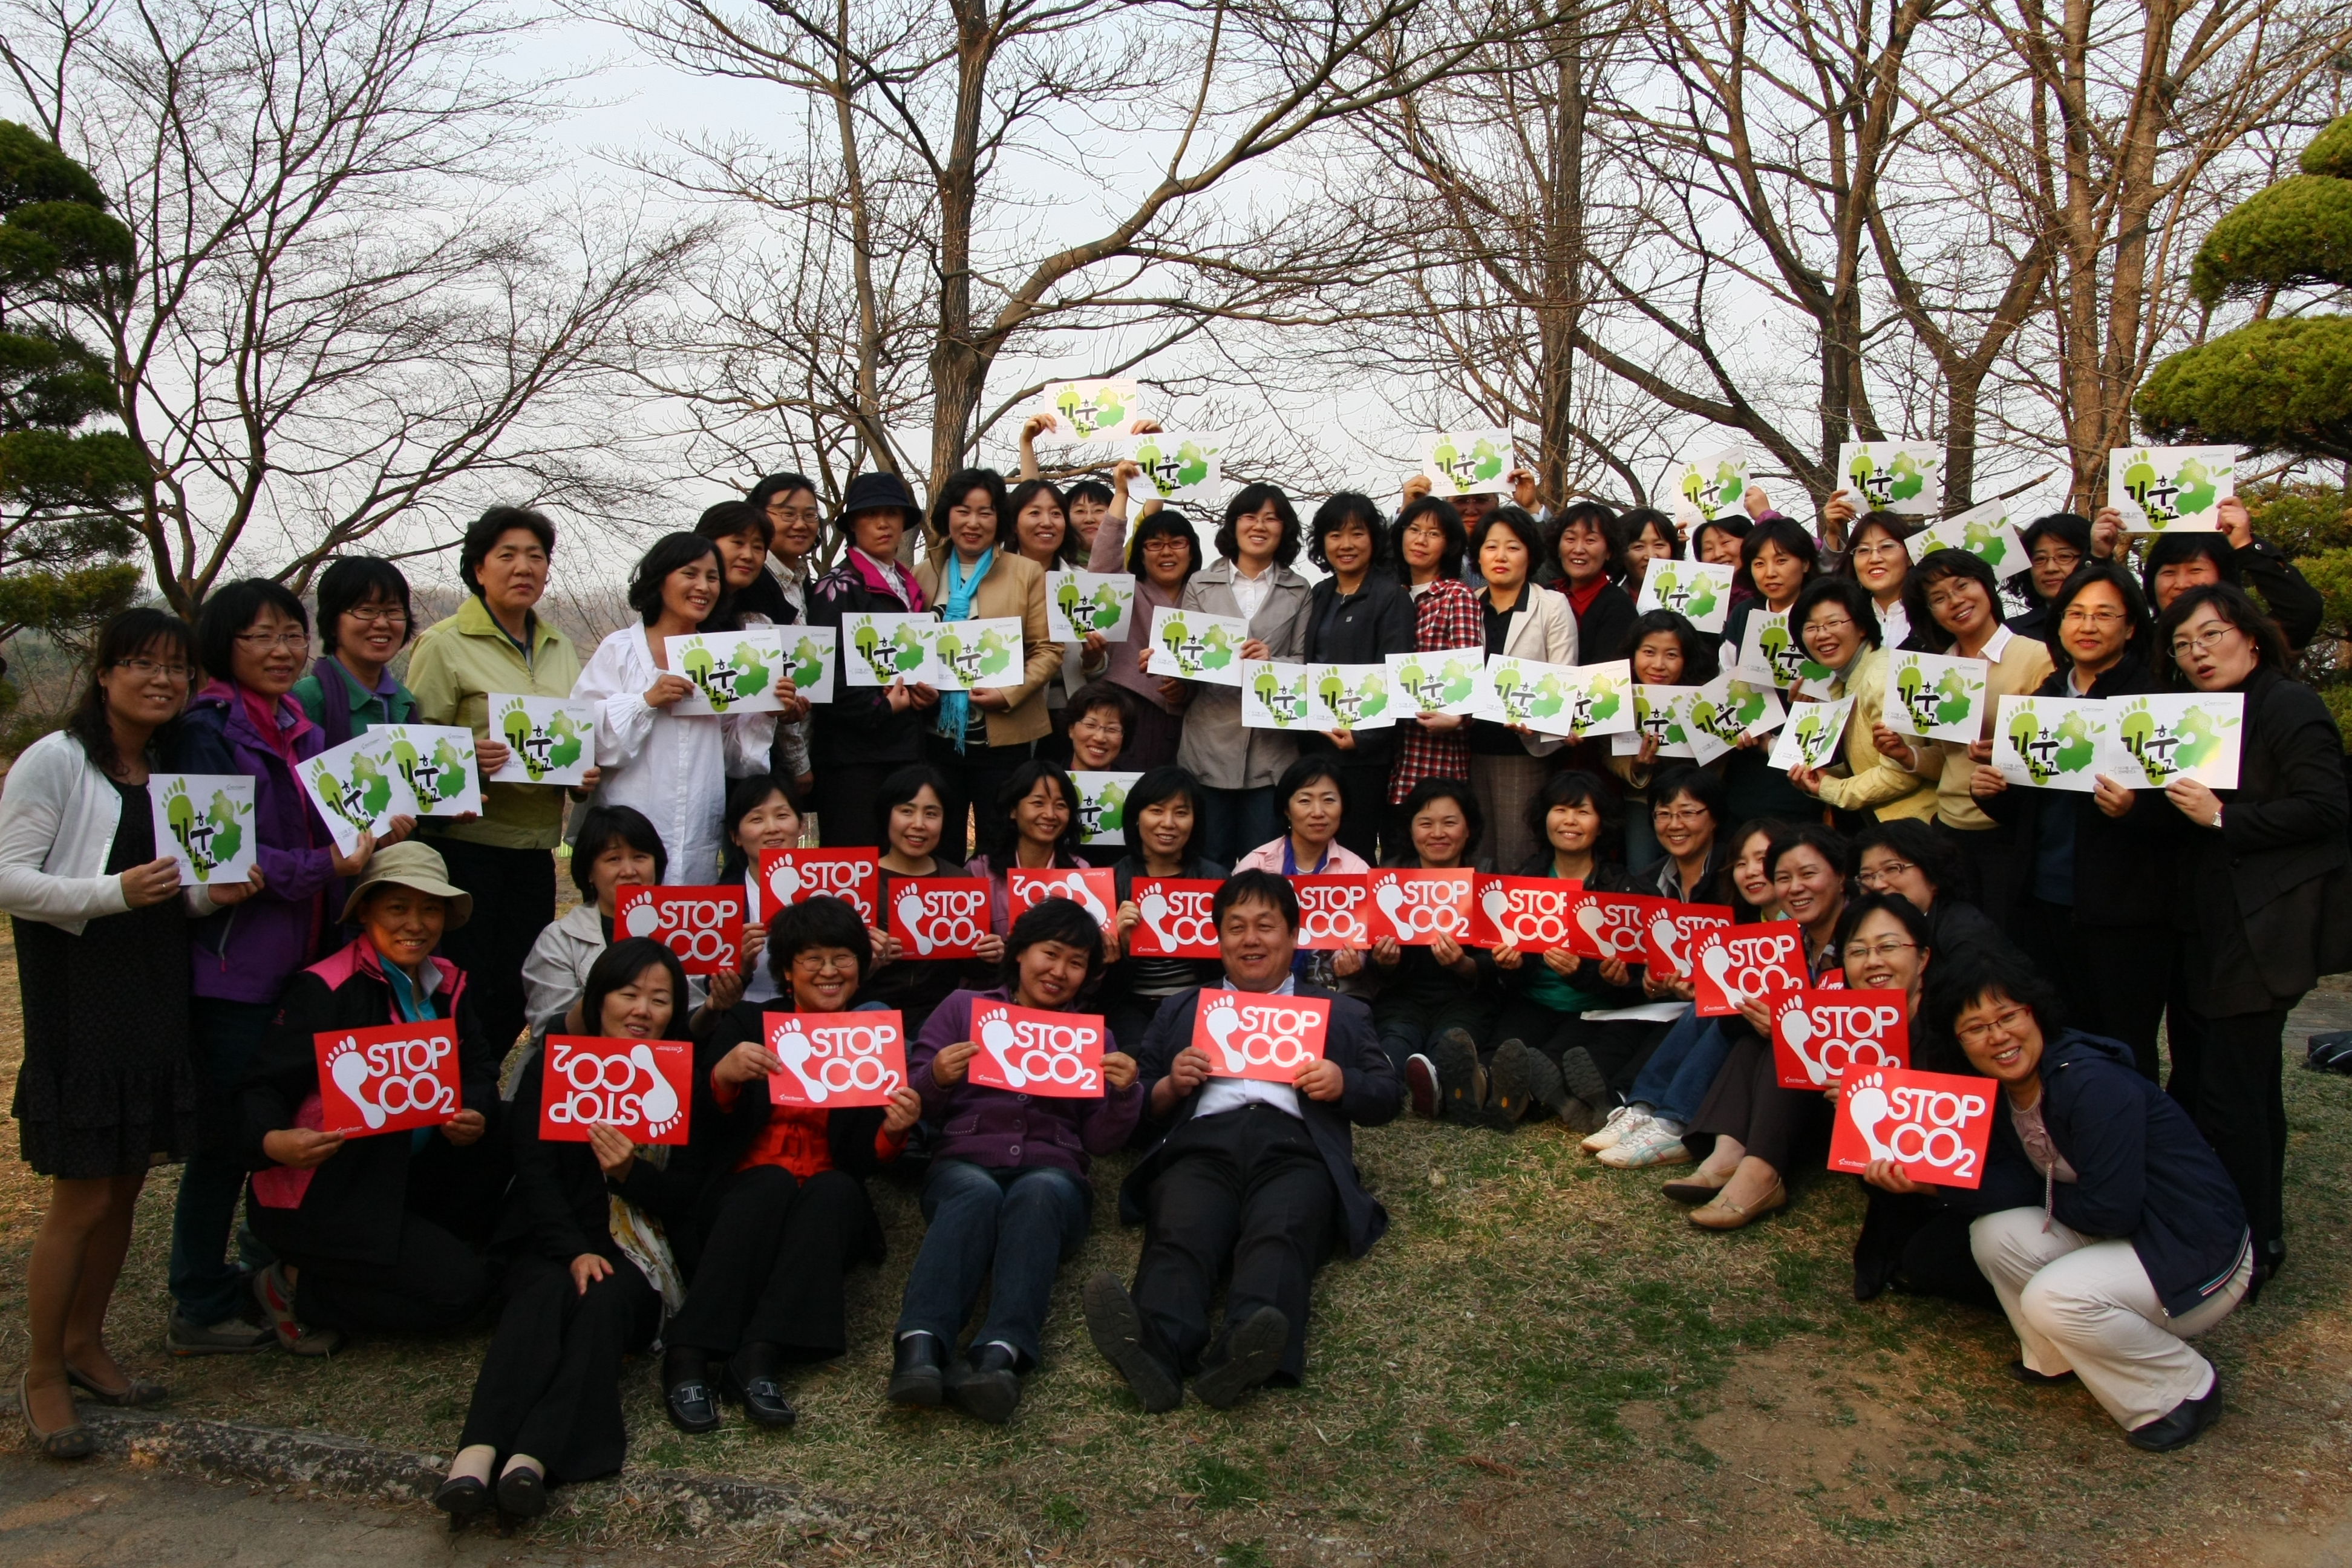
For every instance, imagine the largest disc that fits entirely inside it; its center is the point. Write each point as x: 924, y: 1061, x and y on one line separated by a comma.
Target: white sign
x: 1449, y: 680
x: 2171, y: 489
x: 812, y: 654
x: 1893, y: 476
x: 1078, y: 604
x: 878, y: 648
x: 1936, y: 697
x: 1275, y: 696
x: 1707, y: 487
x: 438, y: 764
x: 732, y: 672
x: 1102, y: 806
x: 357, y: 788
x: 1178, y: 466
x: 1698, y: 591
x: 1192, y: 645
x: 968, y: 656
x: 1984, y: 531
x: 1087, y: 410
x: 1468, y: 462
x: 549, y: 740
x: 2152, y: 741
x: 1810, y: 737
x: 205, y: 821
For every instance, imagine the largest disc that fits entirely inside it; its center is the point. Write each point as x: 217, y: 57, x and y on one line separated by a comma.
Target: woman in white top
x: 673, y: 769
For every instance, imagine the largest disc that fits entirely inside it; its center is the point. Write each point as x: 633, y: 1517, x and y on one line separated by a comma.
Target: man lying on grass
x: 1252, y: 1174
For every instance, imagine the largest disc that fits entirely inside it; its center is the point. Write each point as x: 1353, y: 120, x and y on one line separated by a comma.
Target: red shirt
x: 796, y: 1137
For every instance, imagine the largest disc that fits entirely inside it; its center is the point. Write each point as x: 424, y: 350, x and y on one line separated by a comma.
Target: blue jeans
x: 1238, y: 821
x: 1683, y: 1067
x: 1007, y: 1228
x: 207, y: 1288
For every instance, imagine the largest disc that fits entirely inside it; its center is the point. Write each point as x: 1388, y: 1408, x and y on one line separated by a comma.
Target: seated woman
x: 1006, y: 1197
x: 781, y: 1210
x: 1544, y: 1035
x: 589, y: 1275
x: 2106, y: 1223
x: 1670, y: 1082
x: 367, y: 1230
x: 1037, y: 816
x: 1443, y: 989
x: 761, y: 814
x: 617, y: 848
x: 1165, y: 828
x: 1909, y: 856
x: 1311, y: 797
x: 914, y: 820
x: 1759, y: 1128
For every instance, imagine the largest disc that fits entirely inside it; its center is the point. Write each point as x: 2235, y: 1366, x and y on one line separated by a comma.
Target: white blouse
x: 674, y: 770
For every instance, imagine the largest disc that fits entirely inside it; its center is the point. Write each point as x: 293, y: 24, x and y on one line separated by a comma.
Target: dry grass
x: 1541, y: 1363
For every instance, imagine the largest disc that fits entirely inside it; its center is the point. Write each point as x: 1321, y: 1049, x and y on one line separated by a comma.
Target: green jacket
x: 368, y: 709
x: 458, y: 665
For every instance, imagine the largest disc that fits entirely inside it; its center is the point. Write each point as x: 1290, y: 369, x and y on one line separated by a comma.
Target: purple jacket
x: 247, y: 953
x: 1002, y: 1129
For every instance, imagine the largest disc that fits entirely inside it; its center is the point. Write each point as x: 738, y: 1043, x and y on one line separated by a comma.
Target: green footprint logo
x: 807, y: 662
x: 2149, y: 742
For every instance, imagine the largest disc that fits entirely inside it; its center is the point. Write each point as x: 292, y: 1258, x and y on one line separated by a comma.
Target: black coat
x: 1371, y: 1096
x: 2144, y: 1172
x: 559, y: 1204
x: 1601, y: 629
x: 1365, y: 629
x: 2123, y: 866
x: 858, y: 726
x: 353, y: 1205
x: 1605, y: 878
x: 2293, y: 603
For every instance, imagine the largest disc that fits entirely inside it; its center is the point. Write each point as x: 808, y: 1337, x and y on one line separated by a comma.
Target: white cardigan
x: 1542, y: 629
x: 58, y: 814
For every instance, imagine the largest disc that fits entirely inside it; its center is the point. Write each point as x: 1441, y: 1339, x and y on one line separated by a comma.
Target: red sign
x: 1031, y: 1051
x: 389, y: 1079
x: 704, y: 926
x: 1742, y: 961
x: 642, y: 1089
x: 789, y: 876
x: 1530, y: 913
x: 833, y: 1060
x: 1248, y: 1033
x: 1934, y: 1125
x: 1175, y: 919
x: 1822, y: 1034
x: 1671, y: 937
x: 1415, y: 907
x: 1610, y: 925
x: 1333, y: 911
x: 940, y: 917
x: 1096, y: 892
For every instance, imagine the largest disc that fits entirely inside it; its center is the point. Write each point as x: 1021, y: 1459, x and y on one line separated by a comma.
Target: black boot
x: 915, y: 1370
x: 751, y: 1382
x: 1462, y: 1081
x: 1116, y: 1325
x: 988, y: 1383
x: 685, y: 1390
x: 1250, y: 1355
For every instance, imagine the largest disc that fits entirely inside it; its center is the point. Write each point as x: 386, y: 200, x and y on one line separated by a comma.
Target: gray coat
x: 1215, y: 748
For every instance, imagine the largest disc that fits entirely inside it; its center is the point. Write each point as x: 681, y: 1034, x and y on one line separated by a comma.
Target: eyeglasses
x: 1877, y: 950
x: 1873, y: 875
x: 2074, y: 617
x: 148, y: 669
x: 1828, y: 623
x: 264, y: 642
x: 1681, y: 816
x: 2065, y: 559
x: 821, y: 960
x: 2206, y: 641
x: 2001, y: 1022
x: 1878, y: 548
x: 382, y: 614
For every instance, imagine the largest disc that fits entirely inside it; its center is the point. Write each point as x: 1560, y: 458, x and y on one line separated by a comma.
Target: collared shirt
x: 1249, y: 593
x: 1220, y: 1095
x: 1995, y: 645
x: 1894, y: 624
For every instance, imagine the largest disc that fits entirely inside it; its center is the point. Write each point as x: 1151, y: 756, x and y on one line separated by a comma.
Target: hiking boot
x: 1253, y: 1349
x: 230, y: 1336
x: 1460, y: 1080
x: 1116, y: 1325
x: 1519, y: 1080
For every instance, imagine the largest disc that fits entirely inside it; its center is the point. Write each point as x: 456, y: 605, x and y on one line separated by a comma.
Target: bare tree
x: 347, y: 313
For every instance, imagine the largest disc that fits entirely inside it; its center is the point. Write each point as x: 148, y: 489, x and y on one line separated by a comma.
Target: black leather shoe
x: 988, y: 1384
x: 2026, y: 1375
x: 2179, y: 1426
x: 1253, y: 1349
x: 462, y: 1497
x: 916, y: 1373
x: 522, y: 1493
x: 1116, y: 1327
x: 691, y: 1405
x: 762, y: 1399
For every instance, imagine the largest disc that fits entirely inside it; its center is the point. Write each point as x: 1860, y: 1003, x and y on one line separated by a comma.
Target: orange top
x: 796, y: 1137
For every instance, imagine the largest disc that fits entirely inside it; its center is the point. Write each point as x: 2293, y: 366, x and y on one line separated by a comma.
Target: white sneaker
x: 1651, y: 1144
x: 1621, y: 1123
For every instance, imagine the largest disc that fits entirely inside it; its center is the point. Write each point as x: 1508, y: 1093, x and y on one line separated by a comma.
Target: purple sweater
x: 1004, y: 1129
x: 247, y: 953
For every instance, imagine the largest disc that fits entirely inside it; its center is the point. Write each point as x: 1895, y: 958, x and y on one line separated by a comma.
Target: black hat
x: 872, y: 492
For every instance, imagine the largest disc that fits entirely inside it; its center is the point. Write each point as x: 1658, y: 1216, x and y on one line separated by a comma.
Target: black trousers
x: 2225, y: 1074
x: 843, y: 799
x: 1614, y: 1044
x: 437, y: 1283
x: 551, y: 1386
x: 1777, y: 1125
x: 462, y: 1191
x: 1244, y: 1195
x: 514, y: 901
x: 1912, y: 1243
x: 1996, y: 866
x: 975, y: 776
x: 1364, y: 815
x: 771, y: 1270
x: 2114, y: 978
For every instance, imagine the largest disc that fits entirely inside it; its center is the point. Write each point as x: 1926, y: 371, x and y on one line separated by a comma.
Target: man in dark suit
x: 1256, y: 1177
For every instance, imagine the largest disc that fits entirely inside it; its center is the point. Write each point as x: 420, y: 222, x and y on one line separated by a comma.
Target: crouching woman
x: 2106, y: 1223
x: 1007, y: 1197
x: 590, y: 1271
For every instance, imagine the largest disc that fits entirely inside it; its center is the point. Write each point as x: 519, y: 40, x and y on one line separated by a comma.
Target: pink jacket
x: 1338, y: 859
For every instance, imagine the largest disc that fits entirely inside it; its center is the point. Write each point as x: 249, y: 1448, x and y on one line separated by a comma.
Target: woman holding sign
x: 367, y: 1155
x: 1165, y: 825
x: 2263, y: 887
x: 590, y: 1270
x: 1508, y: 761
x: 783, y: 1211
x: 101, y: 933
x: 914, y: 821
x: 1662, y: 649
x: 1035, y: 821
x: 673, y: 768
x: 867, y: 733
x: 760, y: 817
x: 1836, y: 621
x: 1880, y: 559
x: 975, y: 571
x: 1777, y: 559
x: 1428, y: 543
x: 614, y: 848
x: 1440, y: 989
x: 2108, y: 1227
x: 1162, y: 555
x: 1359, y: 614
x: 1007, y: 1198
x: 1587, y: 546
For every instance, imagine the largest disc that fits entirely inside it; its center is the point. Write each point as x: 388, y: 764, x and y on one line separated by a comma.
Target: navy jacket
x: 2145, y: 1173
x: 1371, y: 1096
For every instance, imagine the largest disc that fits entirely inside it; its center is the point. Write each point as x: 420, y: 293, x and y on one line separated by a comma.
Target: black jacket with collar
x: 1365, y: 629
x: 558, y: 1205
x: 1606, y: 878
x: 1370, y: 1097
x: 859, y: 726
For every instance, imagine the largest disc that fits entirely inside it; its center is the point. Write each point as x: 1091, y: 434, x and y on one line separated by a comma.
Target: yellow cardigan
x: 1875, y: 783
x: 2023, y: 664
x: 1014, y: 586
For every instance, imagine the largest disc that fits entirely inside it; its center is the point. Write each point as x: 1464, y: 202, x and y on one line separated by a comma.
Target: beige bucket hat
x: 415, y: 866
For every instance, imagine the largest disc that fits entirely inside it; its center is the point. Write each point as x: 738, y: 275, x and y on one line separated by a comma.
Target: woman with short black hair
x: 364, y: 620
x: 1426, y: 992
x: 1358, y: 614
x: 614, y: 847
x: 1587, y: 547
x: 914, y: 827
x: 1777, y: 559
x: 1162, y: 554
x: 1165, y: 828
x: 1427, y: 542
x: 1518, y: 620
x: 1879, y: 559
x: 867, y: 732
x: 1835, y: 619
x: 1649, y: 536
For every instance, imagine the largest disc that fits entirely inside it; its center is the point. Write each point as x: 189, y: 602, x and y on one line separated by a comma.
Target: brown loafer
x: 1723, y: 1215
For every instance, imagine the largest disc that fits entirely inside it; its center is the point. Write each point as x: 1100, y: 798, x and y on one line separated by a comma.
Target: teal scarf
x: 955, y: 707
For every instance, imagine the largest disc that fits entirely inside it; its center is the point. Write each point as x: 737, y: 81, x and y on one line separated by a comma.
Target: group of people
x: 170, y: 1024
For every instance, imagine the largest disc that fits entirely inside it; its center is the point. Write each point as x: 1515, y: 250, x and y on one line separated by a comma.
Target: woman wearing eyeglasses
x: 2263, y: 891
x: 1840, y: 628
x: 2097, y: 867
x: 1910, y: 859
x: 1880, y: 560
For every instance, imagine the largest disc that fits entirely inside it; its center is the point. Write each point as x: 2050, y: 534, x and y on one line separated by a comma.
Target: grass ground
x: 1541, y: 1363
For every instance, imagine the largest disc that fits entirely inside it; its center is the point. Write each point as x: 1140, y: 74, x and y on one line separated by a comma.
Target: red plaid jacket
x: 1445, y: 616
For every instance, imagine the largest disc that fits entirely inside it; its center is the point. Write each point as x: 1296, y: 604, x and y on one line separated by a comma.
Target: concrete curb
x: 347, y: 1467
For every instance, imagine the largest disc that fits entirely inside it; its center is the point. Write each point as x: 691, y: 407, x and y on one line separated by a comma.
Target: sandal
x: 139, y: 1392
x: 72, y: 1442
